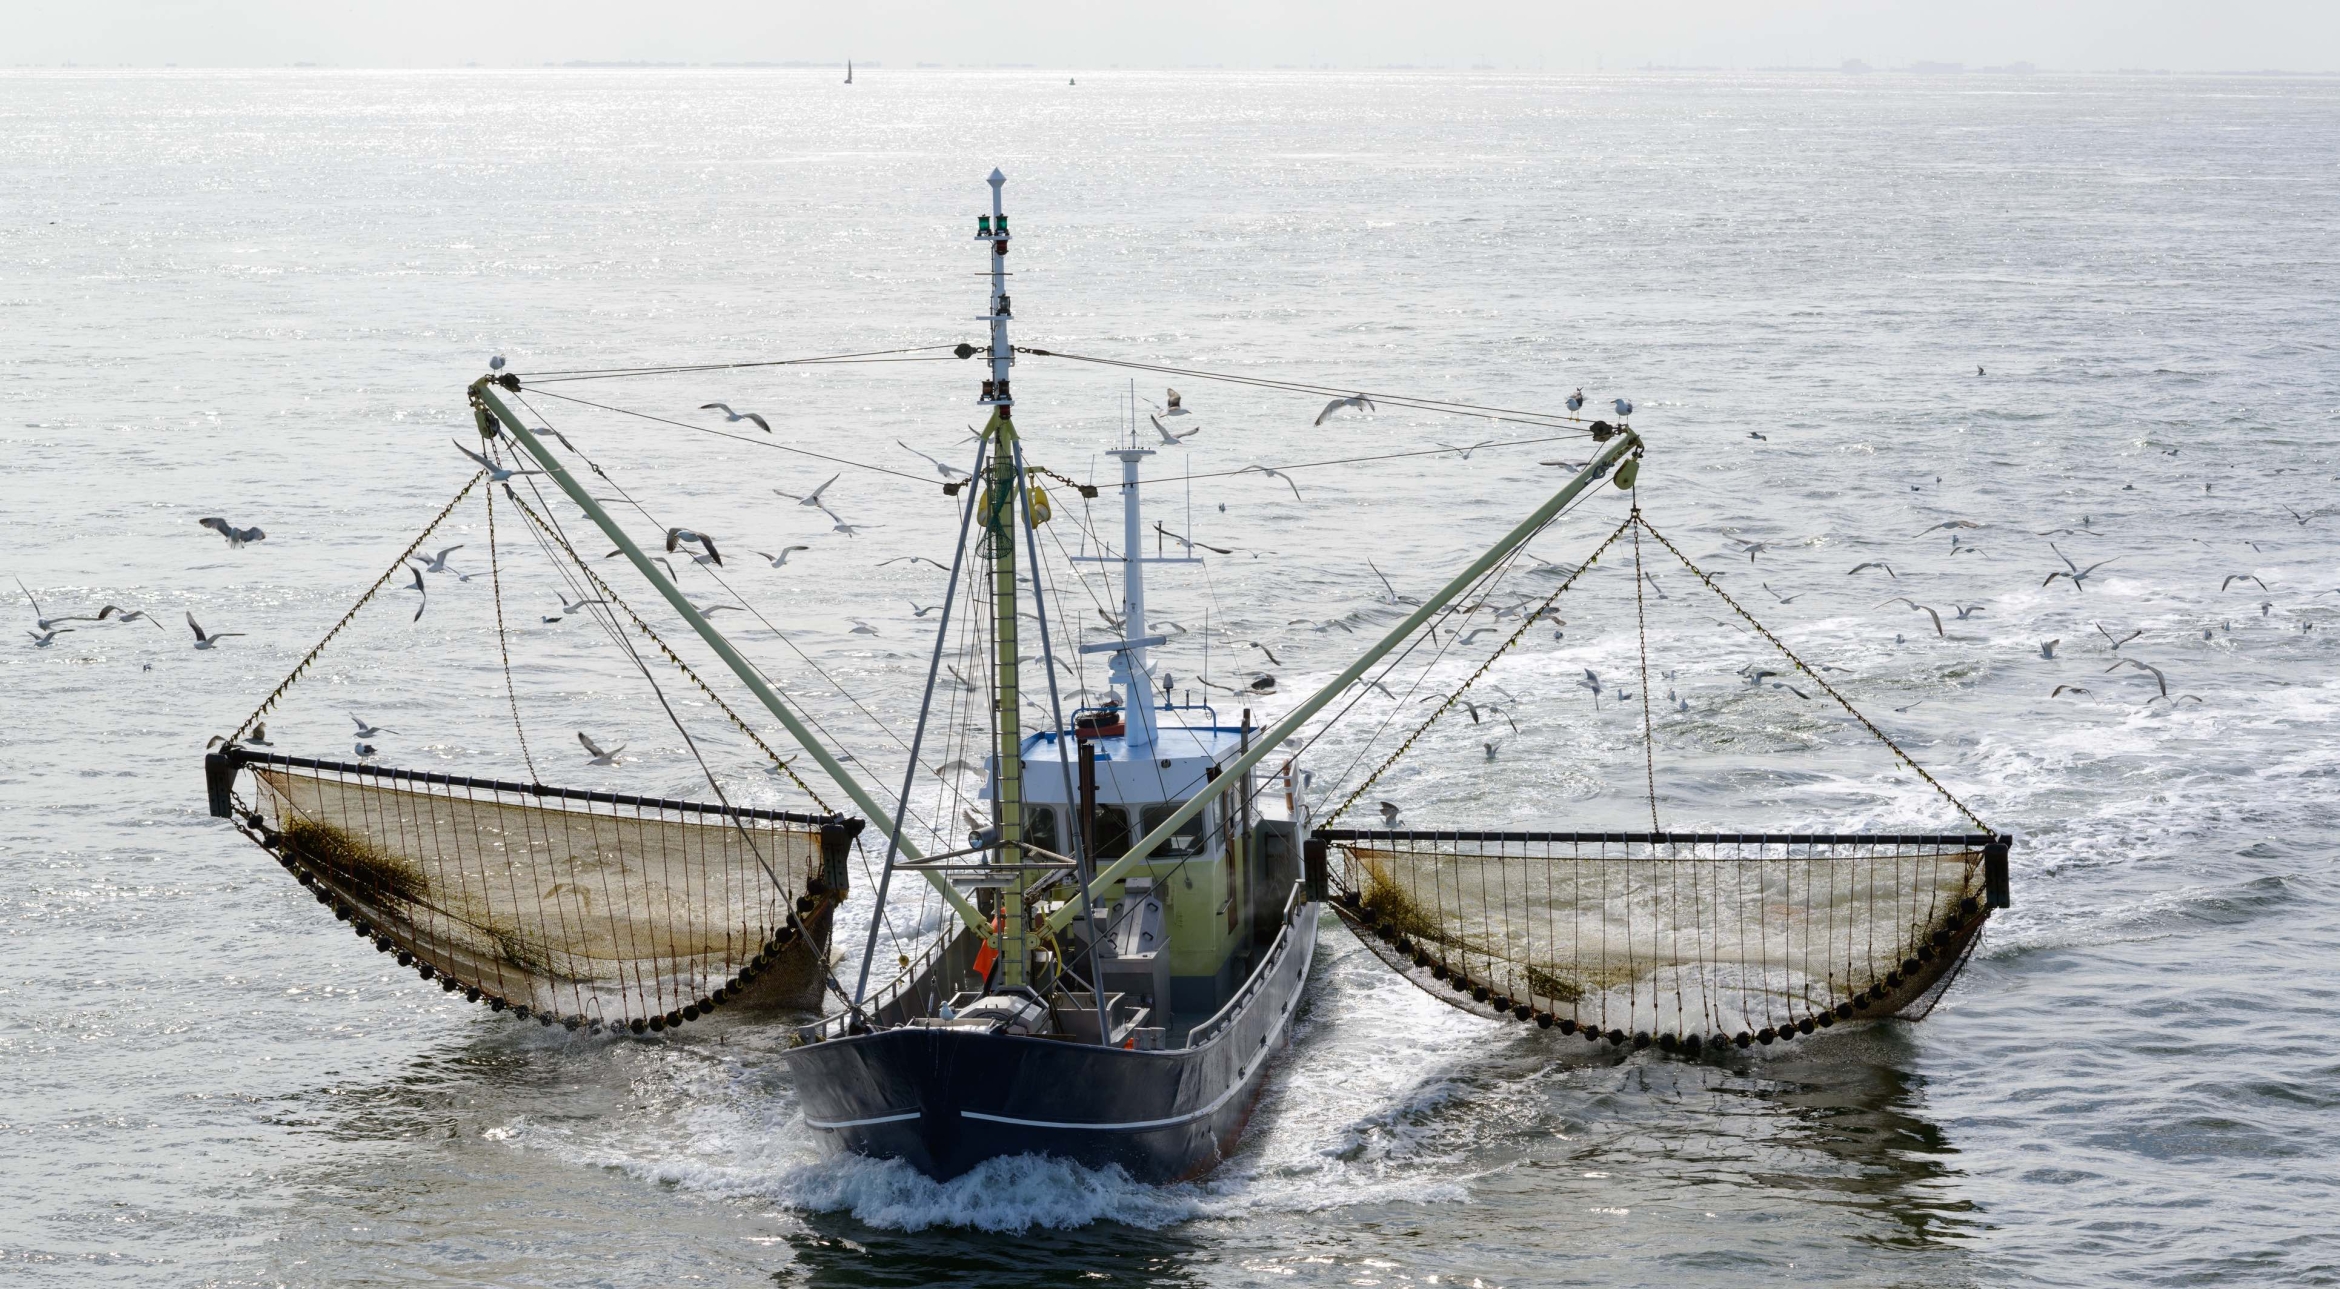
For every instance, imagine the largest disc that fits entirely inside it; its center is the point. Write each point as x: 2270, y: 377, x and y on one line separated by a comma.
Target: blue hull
x: 947, y: 1100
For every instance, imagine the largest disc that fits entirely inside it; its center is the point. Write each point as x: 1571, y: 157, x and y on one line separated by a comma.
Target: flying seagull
x: 1903, y: 599
x: 210, y: 639
x: 496, y: 473
x: 1389, y: 814
x: 679, y: 536
x: 2233, y: 578
x: 438, y: 563
x: 46, y: 623
x: 1170, y: 396
x: 237, y: 538
x: 730, y: 416
x: 782, y: 558
x: 127, y: 615
x: 600, y: 757
x: 2116, y: 644
x: 2077, y: 573
x: 1875, y: 563
x: 1354, y: 402
x: 365, y: 730
x: 43, y: 639
x: 812, y: 498
x: 1274, y: 474
x: 424, y: 603
x: 1167, y: 436
x: 2158, y: 678
x: 945, y: 469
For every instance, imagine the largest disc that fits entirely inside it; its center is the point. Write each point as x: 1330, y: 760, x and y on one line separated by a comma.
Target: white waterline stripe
x: 811, y: 1122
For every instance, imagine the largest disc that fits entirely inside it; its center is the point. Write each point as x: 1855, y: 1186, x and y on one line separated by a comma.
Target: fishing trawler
x: 1133, y: 909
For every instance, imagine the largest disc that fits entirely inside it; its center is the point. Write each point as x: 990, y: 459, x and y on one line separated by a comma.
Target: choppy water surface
x: 260, y: 295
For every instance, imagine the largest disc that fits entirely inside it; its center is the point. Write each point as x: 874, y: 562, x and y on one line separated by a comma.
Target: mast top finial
x: 996, y: 178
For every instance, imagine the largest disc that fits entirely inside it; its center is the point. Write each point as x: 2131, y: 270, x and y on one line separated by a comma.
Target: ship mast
x: 999, y: 528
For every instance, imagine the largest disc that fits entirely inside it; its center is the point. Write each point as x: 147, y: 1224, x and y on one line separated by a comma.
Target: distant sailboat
x: 848, y: 71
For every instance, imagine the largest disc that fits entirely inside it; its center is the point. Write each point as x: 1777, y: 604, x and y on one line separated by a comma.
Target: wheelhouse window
x: 1040, y: 828
x: 1112, y: 839
x: 1188, y: 840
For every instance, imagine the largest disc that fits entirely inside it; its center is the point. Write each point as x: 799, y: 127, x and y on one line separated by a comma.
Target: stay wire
x: 503, y: 638
x: 613, y: 373
x: 724, y: 434
x: 1418, y: 403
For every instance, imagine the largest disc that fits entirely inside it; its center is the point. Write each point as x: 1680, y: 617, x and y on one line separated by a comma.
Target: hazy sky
x: 1558, y: 34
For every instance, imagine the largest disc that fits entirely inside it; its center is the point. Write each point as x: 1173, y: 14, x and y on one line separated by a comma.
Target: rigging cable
x: 869, y: 355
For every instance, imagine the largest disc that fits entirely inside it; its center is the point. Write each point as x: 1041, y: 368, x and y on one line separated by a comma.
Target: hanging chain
x: 268, y: 703
x: 1641, y: 623
x: 610, y: 593
x: 1456, y: 697
x: 503, y: 647
x: 1814, y: 676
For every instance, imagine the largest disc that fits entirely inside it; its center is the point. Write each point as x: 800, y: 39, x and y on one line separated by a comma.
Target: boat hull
x: 945, y: 1100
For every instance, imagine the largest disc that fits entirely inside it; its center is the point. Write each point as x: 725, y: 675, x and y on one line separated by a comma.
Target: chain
x: 268, y: 703
x: 1813, y: 676
x: 503, y: 647
x: 1456, y: 696
x: 610, y: 593
x: 1641, y: 625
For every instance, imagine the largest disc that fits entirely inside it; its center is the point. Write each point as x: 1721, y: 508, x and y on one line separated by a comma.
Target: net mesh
x: 1670, y: 938
x: 616, y: 911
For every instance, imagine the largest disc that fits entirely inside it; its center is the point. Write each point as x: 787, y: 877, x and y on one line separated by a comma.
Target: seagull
x: 812, y: 498
x: 43, y: 639
x: 2158, y: 678
x: 46, y: 624
x: 259, y: 736
x: 1966, y: 611
x: 850, y: 530
x: 1271, y: 654
x: 1903, y: 599
x: 1373, y: 684
x: 1752, y: 549
x: 1354, y: 403
x: 600, y: 757
x: 861, y: 628
x: 1951, y: 523
x: 1491, y: 748
x: 438, y: 563
x: 2116, y: 644
x: 962, y: 681
x: 655, y: 559
x: 1264, y: 685
x: 1592, y: 681
x: 1389, y: 814
x: 919, y: 611
x: 127, y: 615
x: 1167, y: 436
x: 730, y: 416
x: 2233, y: 578
x: 569, y: 608
x: 495, y: 473
x: 1474, y: 633
x: 1170, y: 396
x: 1576, y: 400
x: 898, y: 559
x: 2077, y: 573
x: 1465, y: 452
x: 1624, y: 406
x: 2065, y: 689
x: 1978, y: 369
x: 679, y: 536
x: 425, y: 602
x: 363, y: 750
x: 207, y: 640
x: 1875, y: 563
x: 1394, y: 597
x: 943, y: 468
x: 368, y: 731
x: 1753, y: 434
x: 237, y: 538
x: 1274, y: 474
x: 496, y: 363
x: 1791, y: 599
x: 2048, y: 650
x: 1190, y: 543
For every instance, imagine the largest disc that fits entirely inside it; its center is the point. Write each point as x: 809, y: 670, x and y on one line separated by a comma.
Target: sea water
x: 2088, y: 311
